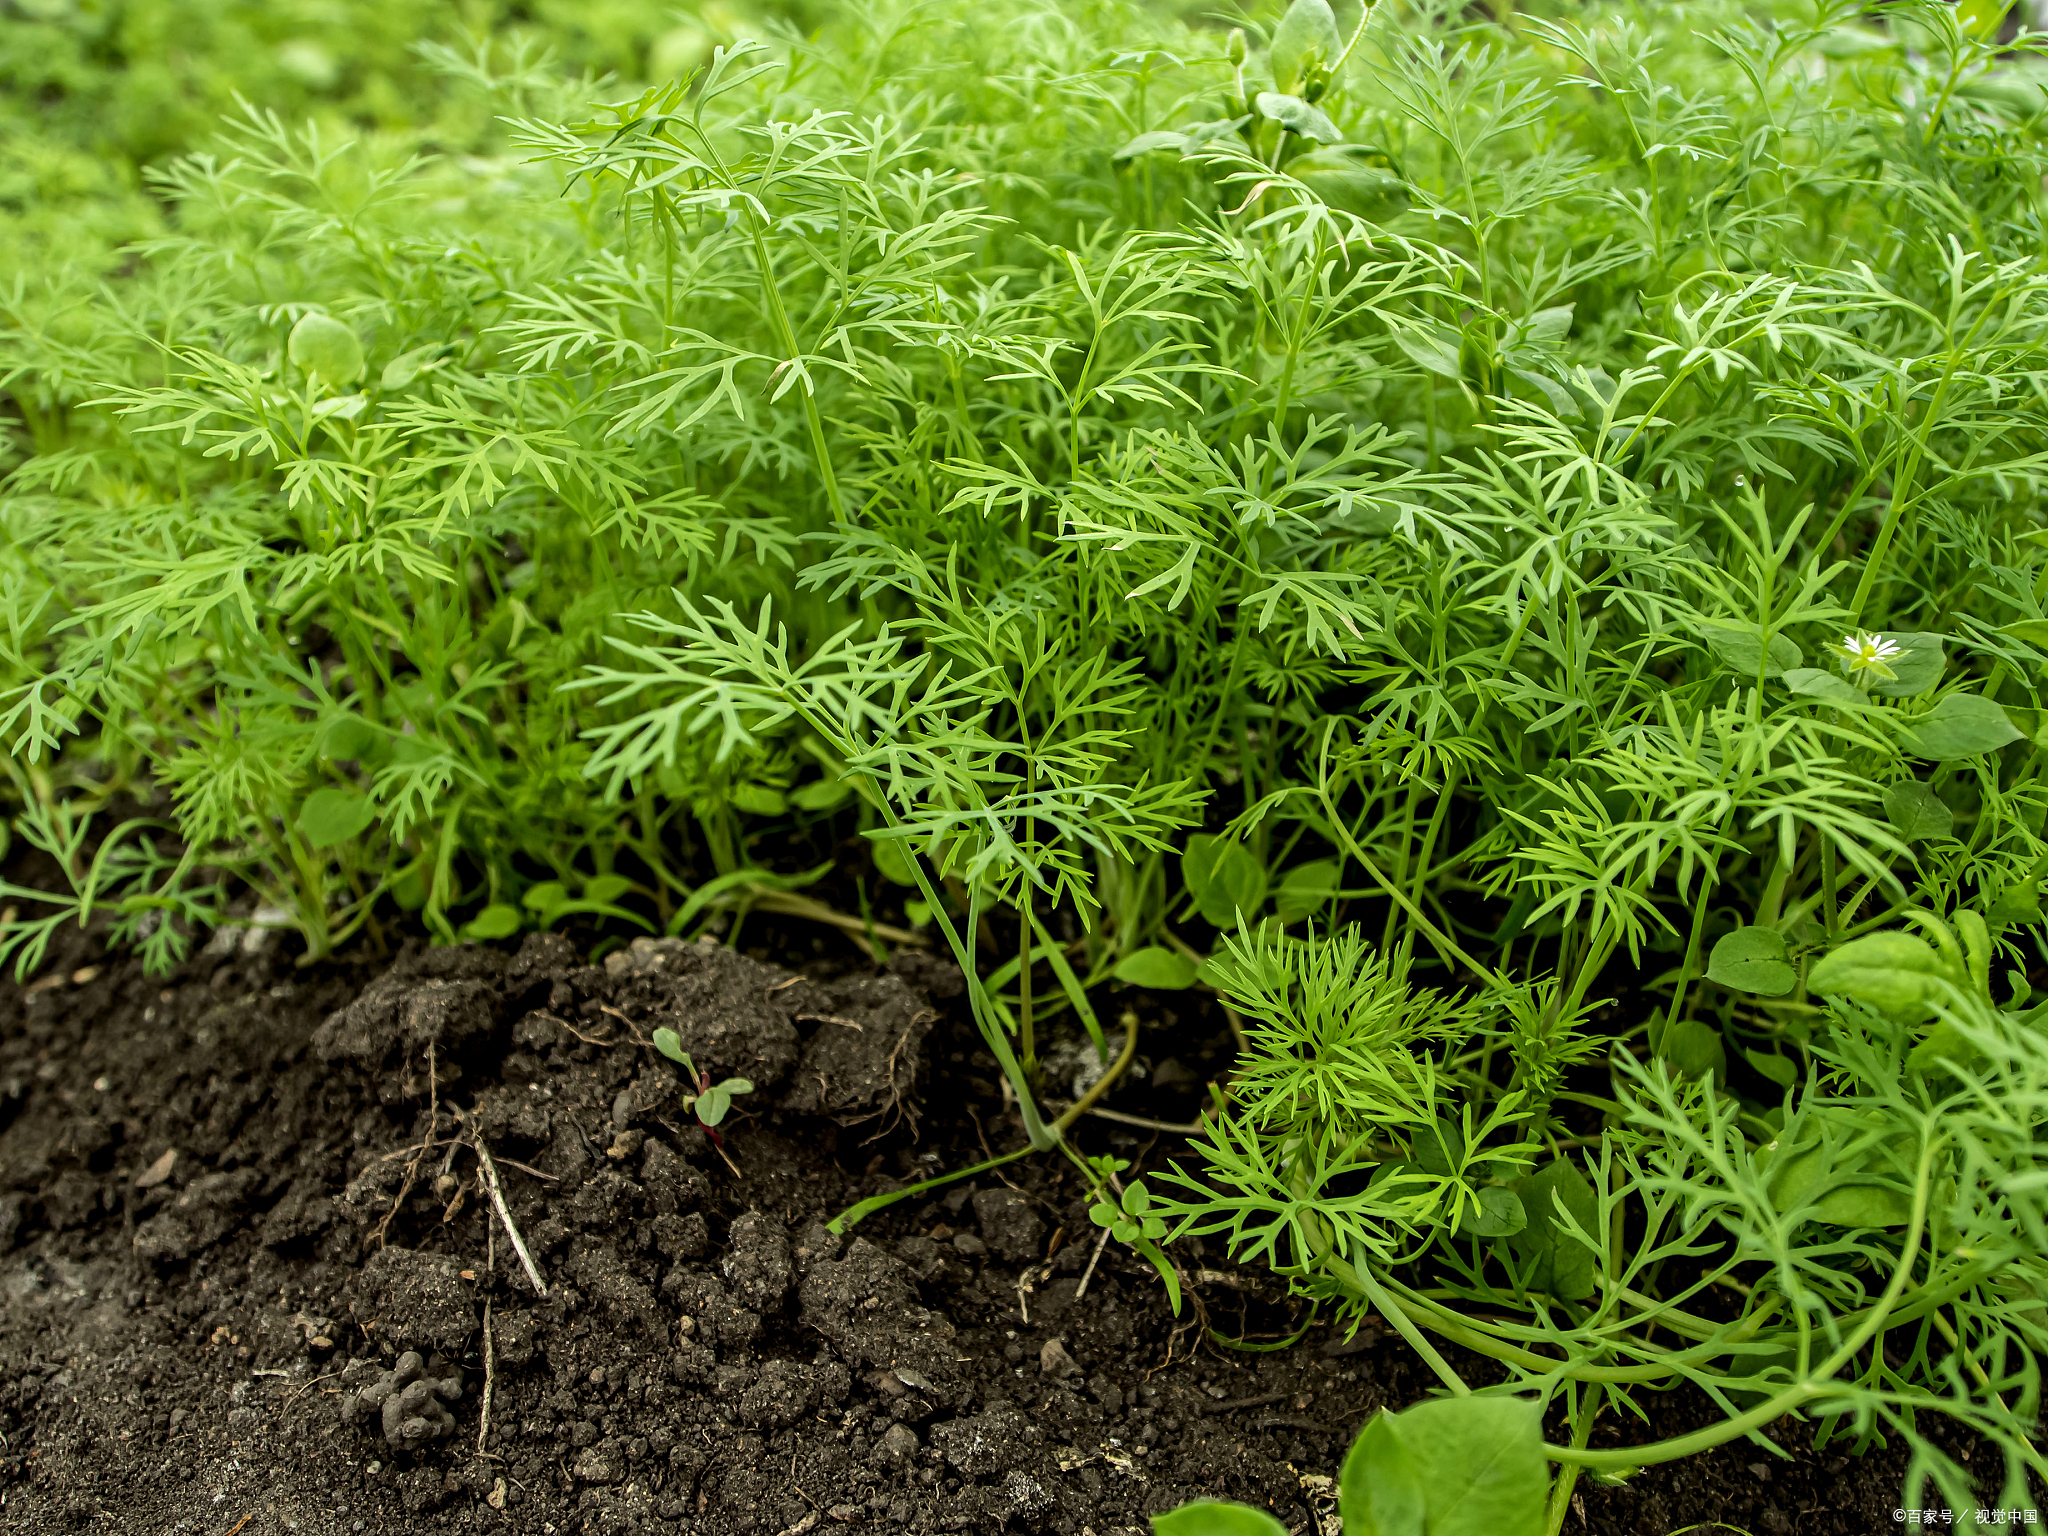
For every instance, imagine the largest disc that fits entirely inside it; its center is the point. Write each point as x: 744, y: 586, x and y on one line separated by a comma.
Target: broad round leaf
x: 348, y: 738
x: 1859, y: 1203
x: 1379, y: 1488
x: 1146, y: 143
x: 2019, y: 902
x: 1961, y: 725
x: 409, y: 890
x: 1563, y: 1266
x: 1340, y: 176
x: 1853, y: 43
x: 1944, y: 1044
x: 1696, y: 1049
x: 1741, y: 649
x: 1224, y: 879
x: 1499, y: 1213
x: 758, y: 799
x: 822, y: 795
x: 2016, y: 92
x: 892, y: 860
x: 1305, y: 889
x: 1918, y: 666
x: 605, y: 888
x: 1479, y: 1462
x: 324, y: 346
x: 1975, y: 933
x: 1753, y: 960
x: 670, y: 1044
x: 1830, y: 1158
x: 1306, y: 35
x: 1162, y: 970
x: 407, y: 366
x: 1211, y: 1518
x: 1917, y: 812
x: 346, y: 407
x: 1562, y: 404
x: 1895, y: 973
x: 332, y: 816
x: 712, y: 1104
x: 497, y: 921
x: 1441, y: 1149
x: 1434, y: 350
x: 1813, y: 683
x: 1779, y: 1069
x: 544, y: 897
x: 1297, y: 116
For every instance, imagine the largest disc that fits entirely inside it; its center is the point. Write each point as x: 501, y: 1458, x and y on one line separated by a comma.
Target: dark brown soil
x: 232, y: 1199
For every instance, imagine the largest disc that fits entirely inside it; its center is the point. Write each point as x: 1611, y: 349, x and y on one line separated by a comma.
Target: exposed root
x: 572, y: 1029
x: 829, y: 1018
x: 412, y: 1168
x: 899, y: 1110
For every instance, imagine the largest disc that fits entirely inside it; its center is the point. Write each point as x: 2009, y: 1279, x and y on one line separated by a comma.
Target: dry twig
x: 483, y: 1427
x: 1093, y: 1258
x: 540, y: 1286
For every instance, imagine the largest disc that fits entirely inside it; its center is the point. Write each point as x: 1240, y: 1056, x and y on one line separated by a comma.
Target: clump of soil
x: 410, y: 1401
x: 251, y: 1266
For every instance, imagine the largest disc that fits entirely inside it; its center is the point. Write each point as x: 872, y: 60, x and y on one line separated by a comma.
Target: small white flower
x: 1865, y: 657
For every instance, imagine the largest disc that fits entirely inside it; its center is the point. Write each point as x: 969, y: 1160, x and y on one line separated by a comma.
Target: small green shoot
x: 707, y: 1100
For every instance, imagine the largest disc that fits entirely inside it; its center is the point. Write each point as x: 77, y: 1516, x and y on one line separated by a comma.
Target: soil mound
x: 252, y: 1265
